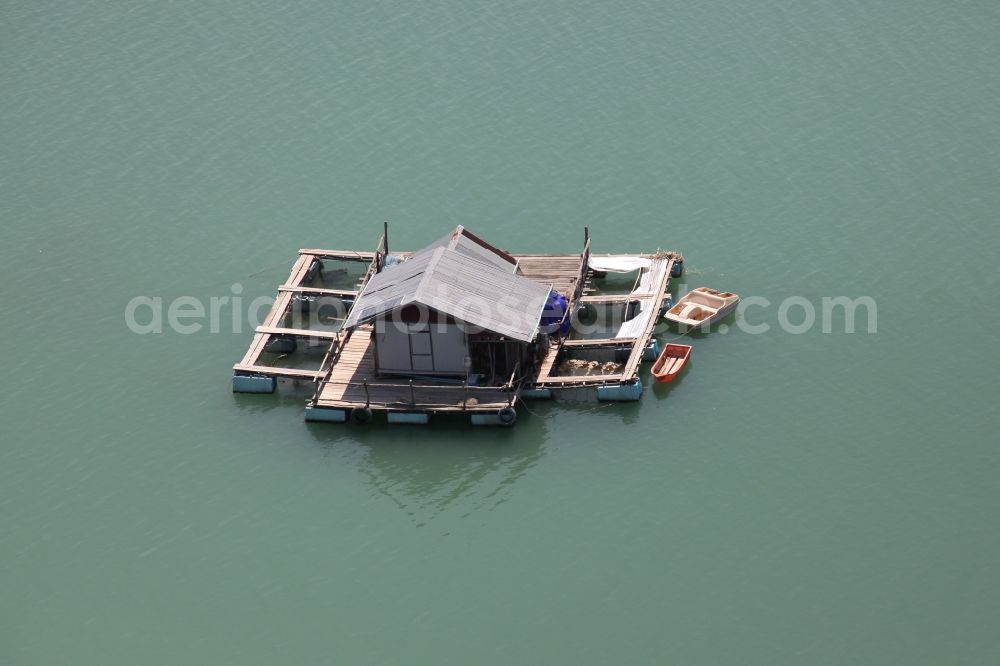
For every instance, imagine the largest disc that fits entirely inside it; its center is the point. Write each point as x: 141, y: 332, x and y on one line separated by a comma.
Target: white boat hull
x: 702, y: 307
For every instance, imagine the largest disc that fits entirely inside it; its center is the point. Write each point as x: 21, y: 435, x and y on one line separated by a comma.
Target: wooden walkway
x: 657, y: 294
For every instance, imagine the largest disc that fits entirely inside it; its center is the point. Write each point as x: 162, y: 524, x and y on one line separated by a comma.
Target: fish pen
x: 460, y: 327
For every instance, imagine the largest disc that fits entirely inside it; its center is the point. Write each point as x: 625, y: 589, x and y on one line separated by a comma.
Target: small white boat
x: 702, y: 307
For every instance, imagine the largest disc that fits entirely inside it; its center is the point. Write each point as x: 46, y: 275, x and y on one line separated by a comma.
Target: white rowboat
x: 702, y: 306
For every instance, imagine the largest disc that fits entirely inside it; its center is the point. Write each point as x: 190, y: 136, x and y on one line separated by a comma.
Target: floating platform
x: 347, y: 385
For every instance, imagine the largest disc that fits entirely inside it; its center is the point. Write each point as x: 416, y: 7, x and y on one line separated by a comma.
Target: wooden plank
x: 547, y: 362
x: 300, y: 270
x: 342, y: 255
x: 298, y: 332
x: 277, y: 311
x: 599, y: 342
x: 256, y: 347
x: 660, y: 289
x: 317, y: 290
x: 576, y: 380
x: 424, y: 398
x: 612, y: 298
x: 294, y: 373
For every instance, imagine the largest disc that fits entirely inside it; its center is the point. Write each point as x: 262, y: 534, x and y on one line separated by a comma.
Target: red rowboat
x: 670, y: 362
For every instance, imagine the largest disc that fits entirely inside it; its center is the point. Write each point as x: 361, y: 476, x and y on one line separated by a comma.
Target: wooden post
x: 385, y: 235
x: 368, y: 397
x: 586, y: 236
x: 413, y: 401
x: 465, y: 392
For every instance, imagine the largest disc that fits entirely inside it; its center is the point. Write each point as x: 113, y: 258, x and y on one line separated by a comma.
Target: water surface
x: 794, y: 499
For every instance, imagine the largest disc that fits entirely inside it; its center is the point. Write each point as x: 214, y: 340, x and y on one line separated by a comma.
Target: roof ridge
x: 455, y: 235
x: 459, y: 285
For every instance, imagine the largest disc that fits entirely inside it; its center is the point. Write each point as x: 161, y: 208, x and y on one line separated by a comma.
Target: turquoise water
x: 794, y: 499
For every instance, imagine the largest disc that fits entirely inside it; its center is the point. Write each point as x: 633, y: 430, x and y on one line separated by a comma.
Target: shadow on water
x: 450, y: 464
x: 425, y: 470
x: 662, y: 390
x: 580, y: 405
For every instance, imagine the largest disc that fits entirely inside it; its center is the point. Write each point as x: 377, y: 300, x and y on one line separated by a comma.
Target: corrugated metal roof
x: 460, y: 285
x: 465, y: 242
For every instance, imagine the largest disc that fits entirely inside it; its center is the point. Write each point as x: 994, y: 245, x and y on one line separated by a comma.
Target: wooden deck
x: 560, y: 271
x: 351, y: 382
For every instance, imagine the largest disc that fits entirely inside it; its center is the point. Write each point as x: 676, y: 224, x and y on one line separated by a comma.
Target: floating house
x: 459, y: 327
x: 458, y: 308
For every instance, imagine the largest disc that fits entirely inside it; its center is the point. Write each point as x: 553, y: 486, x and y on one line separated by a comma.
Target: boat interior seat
x: 713, y: 300
x: 697, y: 312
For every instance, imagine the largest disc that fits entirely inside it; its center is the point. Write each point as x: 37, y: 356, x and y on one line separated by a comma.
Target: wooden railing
x: 418, y: 393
